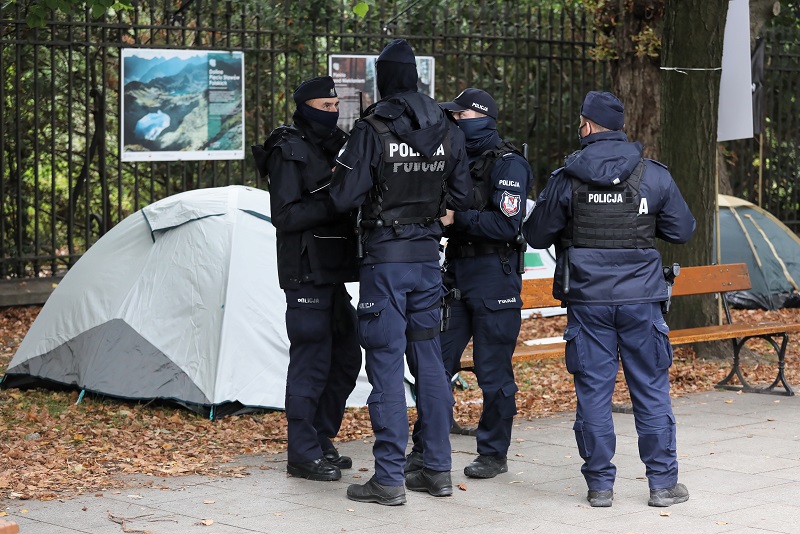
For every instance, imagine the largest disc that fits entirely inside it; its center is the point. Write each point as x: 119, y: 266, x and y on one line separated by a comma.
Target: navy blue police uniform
x: 482, y: 263
x: 316, y: 255
x: 603, y: 211
x: 401, y: 162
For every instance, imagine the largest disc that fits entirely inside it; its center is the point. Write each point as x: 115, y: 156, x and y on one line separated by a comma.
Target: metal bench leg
x: 736, y: 370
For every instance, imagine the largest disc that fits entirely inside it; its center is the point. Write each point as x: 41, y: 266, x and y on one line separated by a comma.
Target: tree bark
x: 635, y: 75
x: 693, y: 34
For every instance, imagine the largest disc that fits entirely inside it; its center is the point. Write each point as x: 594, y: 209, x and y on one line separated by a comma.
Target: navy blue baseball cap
x: 322, y: 87
x: 604, y: 109
x: 471, y: 98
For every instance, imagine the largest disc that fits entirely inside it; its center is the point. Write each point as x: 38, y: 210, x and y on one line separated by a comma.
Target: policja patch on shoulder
x: 509, y: 204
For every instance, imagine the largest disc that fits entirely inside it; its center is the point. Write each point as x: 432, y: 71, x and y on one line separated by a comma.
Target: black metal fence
x: 64, y: 183
x: 765, y: 169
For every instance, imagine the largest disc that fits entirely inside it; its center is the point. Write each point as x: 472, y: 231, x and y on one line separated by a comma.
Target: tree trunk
x: 693, y: 34
x: 635, y: 75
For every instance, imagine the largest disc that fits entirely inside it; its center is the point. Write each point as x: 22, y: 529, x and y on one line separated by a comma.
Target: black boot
x: 437, y: 483
x: 600, y: 498
x: 334, y: 458
x: 319, y: 469
x: 374, y: 492
x: 668, y: 496
x: 486, y: 467
x: 413, y: 462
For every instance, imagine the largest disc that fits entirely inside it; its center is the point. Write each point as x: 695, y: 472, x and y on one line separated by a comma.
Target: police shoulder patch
x: 510, y: 203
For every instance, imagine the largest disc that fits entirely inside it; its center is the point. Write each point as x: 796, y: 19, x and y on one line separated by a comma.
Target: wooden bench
x: 538, y: 293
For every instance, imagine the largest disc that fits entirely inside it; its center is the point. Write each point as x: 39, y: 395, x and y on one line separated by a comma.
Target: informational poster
x: 355, y: 75
x: 182, y: 105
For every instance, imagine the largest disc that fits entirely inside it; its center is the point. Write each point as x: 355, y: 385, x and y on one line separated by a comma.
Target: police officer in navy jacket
x: 482, y: 261
x: 316, y: 255
x: 603, y: 211
x: 403, y: 162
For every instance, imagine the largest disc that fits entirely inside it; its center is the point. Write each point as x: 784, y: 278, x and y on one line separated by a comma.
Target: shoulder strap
x: 380, y: 126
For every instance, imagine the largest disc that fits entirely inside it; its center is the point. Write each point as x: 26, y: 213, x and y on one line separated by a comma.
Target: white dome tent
x: 179, y: 302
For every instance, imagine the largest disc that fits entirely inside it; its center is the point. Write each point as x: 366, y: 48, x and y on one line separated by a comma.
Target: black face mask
x: 327, y: 119
x: 580, y: 138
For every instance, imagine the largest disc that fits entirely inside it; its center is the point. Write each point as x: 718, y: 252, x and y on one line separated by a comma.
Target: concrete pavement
x: 739, y: 456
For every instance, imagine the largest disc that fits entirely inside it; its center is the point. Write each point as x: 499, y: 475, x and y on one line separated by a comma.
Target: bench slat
x: 676, y: 337
x: 538, y: 292
x: 711, y: 279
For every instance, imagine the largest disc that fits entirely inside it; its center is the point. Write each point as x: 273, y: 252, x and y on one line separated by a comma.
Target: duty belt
x: 469, y: 250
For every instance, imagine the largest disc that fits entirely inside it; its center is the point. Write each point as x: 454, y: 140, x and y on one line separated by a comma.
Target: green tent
x: 771, y: 251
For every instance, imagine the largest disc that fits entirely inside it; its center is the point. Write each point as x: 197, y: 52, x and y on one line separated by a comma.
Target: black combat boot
x: 437, y: 483
x: 334, y: 458
x: 374, y: 492
x: 319, y: 469
x: 486, y: 467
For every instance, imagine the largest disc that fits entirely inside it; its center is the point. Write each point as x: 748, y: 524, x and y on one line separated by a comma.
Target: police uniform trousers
x: 324, y: 362
x: 598, y: 337
x: 399, y: 312
x: 489, y: 313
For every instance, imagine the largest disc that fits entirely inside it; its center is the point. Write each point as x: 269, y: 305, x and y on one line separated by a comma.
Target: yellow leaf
x: 3, y: 514
x: 722, y: 522
x: 729, y: 401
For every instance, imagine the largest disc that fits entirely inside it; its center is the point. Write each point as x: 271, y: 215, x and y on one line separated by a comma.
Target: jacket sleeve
x: 352, y: 177
x: 511, y: 182
x: 551, y: 214
x: 674, y: 221
x: 290, y: 208
x: 459, y: 183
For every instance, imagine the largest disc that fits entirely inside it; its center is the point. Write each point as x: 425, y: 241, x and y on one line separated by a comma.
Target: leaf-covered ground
x: 53, y: 447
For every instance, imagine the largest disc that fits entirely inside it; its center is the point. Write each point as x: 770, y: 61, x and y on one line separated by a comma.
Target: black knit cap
x: 604, y: 109
x: 398, y: 51
x: 321, y: 87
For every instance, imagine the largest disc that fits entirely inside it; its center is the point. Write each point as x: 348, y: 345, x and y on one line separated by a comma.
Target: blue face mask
x: 327, y: 119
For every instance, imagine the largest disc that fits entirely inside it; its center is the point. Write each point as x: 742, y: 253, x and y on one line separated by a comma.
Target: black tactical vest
x: 608, y: 217
x: 411, y: 187
x: 481, y: 171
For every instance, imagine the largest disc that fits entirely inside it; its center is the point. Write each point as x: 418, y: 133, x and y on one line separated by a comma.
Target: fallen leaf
x: 729, y: 401
x: 665, y: 514
x: 206, y: 522
x: 350, y: 510
x: 462, y: 487
x: 209, y: 502
x: 722, y: 522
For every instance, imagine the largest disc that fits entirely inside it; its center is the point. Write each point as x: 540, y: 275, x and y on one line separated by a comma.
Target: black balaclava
x: 396, y: 69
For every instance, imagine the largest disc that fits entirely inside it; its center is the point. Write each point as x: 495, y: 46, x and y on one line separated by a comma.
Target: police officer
x: 482, y: 261
x: 401, y: 163
x: 316, y: 255
x: 603, y: 211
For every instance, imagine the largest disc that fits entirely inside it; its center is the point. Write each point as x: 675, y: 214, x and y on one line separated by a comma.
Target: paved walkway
x: 739, y: 457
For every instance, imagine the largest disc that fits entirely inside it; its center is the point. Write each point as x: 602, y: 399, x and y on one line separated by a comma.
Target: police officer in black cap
x: 316, y: 256
x: 603, y: 211
x: 482, y: 261
x: 403, y: 162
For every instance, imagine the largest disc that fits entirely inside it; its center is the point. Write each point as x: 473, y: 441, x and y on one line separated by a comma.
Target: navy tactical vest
x: 608, y: 216
x: 481, y: 171
x: 411, y: 187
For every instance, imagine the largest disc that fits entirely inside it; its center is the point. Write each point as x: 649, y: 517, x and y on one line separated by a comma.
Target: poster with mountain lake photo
x: 182, y: 105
